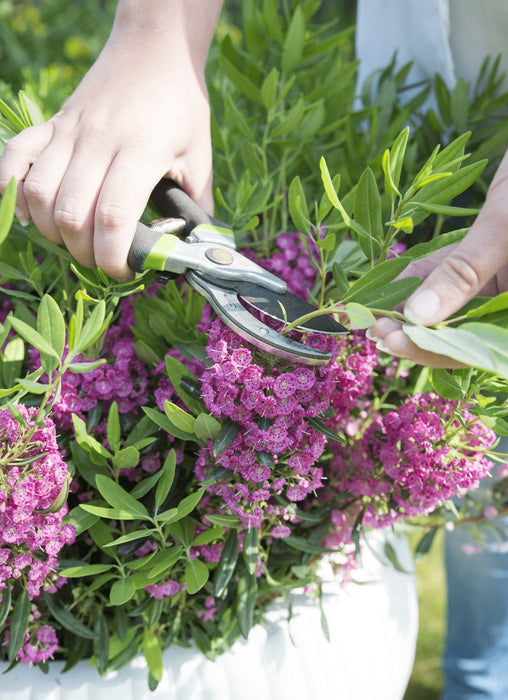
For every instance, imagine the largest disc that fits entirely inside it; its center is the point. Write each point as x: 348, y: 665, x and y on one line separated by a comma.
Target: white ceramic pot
x: 373, y: 629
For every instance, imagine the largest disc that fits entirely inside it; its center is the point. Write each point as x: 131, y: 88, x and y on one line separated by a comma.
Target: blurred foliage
x: 46, y: 47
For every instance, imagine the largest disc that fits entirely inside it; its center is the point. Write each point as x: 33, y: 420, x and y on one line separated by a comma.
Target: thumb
x: 470, y: 265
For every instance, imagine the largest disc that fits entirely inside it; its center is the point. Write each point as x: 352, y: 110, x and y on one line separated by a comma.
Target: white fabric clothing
x: 449, y: 37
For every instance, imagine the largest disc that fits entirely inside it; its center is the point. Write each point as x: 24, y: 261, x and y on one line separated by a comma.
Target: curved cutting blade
x: 287, y: 308
x: 228, y: 307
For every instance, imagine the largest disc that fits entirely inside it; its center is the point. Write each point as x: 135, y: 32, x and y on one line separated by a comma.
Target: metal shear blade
x: 228, y: 307
x: 232, y: 283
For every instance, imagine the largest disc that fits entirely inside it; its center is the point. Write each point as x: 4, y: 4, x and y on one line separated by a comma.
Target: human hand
x: 139, y: 114
x: 453, y: 275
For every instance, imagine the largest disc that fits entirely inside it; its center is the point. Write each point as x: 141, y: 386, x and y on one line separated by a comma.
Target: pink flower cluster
x: 276, y: 448
x: 406, y: 463
x: 32, y: 474
x: 292, y: 262
x: 39, y: 644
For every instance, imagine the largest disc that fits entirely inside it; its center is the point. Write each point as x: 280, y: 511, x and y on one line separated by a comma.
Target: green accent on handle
x: 212, y: 228
x: 156, y: 258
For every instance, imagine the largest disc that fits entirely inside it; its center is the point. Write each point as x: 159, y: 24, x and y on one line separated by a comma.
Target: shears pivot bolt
x: 219, y: 256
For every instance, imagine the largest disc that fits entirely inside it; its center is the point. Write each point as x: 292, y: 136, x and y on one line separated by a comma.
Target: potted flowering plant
x: 162, y: 481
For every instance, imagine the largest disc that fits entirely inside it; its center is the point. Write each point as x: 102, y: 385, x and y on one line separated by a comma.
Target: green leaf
x: 425, y: 544
x: 101, y: 643
x: 392, y: 294
x: 88, y: 442
x: 19, y: 623
x: 166, y: 480
x: 153, y: 654
x: 80, y: 520
x: 368, y: 213
x: 196, y: 575
x: 447, y: 210
x: 108, y: 513
x: 376, y: 278
x: 478, y: 345
x: 33, y: 337
x: 131, y: 537
x: 207, y: 536
x: 51, y: 324
x: 359, y: 316
x: 297, y: 205
x: 7, y: 206
x: 269, y: 89
x: 92, y: 329
x: 31, y: 109
x: 226, y: 436
x: 243, y: 84
x: 162, y: 561
x: 187, y: 504
x: 246, y: 602
x: 340, y: 279
x: 446, y: 385
x: 294, y: 41
x: 126, y: 458
x: 85, y: 570
x: 304, y: 545
x: 66, y: 618
x: 441, y: 192
x: 5, y: 606
x: 83, y: 367
x: 251, y: 549
x: 182, y: 423
x: 121, y: 591
x: 227, y: 564
x: 113, y: 429
x: 497, y: 303
x: 176, y: 372
x: 158, y: 418
x: 206, y: 427
x: 119, y: 498
x: 391, y: 555
x: 395, y: 159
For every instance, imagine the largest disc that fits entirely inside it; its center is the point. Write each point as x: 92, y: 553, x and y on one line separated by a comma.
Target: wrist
x: 180, y: 27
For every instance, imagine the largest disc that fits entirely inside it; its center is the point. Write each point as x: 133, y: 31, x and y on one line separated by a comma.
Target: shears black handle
x: 181, y: 216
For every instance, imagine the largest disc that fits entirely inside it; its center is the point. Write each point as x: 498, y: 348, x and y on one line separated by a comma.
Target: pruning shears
x: 235, y: 286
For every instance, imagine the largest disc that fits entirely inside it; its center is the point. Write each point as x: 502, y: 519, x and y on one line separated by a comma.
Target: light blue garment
x: 476, y: 655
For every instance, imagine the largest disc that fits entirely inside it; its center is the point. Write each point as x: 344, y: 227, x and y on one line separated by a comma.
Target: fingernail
x: 21, y: 217
x: 371, y: 336
x: 423, y: 307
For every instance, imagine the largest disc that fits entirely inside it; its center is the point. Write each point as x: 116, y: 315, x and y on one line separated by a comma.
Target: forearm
x: 181, y: 27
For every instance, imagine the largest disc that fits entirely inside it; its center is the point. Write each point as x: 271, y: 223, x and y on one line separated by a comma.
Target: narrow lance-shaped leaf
x: 227, y: 564
x: 19, y: 624
x: 101, y: 643
x: 246, y: 602
x: 33, y: 337
x: 251, y: 549
x: 7, y: 206
x: 118, y: 497
x: 368, y: 214
x: 196, y: 575
x: 153, y: 654
x: 166, y: 479
x: 478, y: 345
x: 51, y: 323
x: 294, y: 41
